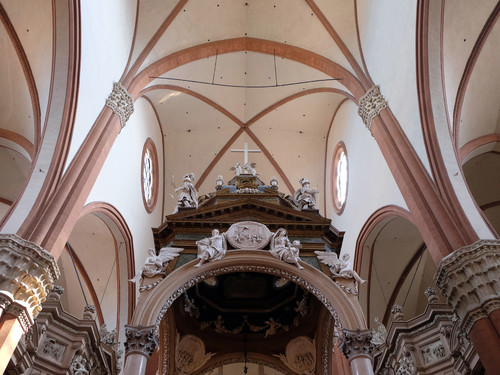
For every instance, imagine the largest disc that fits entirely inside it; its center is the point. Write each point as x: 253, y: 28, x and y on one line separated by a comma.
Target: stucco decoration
x: 433, y: 352
x: 155, y: 264
x: 305, y: 196
x: 121, y: 102
x: 281, y: 248
x: 211, y: 248
x: 52, y: 348
x: 143, y: 340
x: 187, y: 193
x: 247, y: 268
x: 80, y: 365
x: 406, y: 365
x: 300, y: 355
x: 370, y: 105
x: 467, y: 278
x: 190, y: 354
x: 340, y: 268
x: 397, y: 313
x: 431, y: 295
x: 380, y: 335
x: 357, y: 343
x: 27, y: 273
x: 248, y: 235
x: 89, y: 312
x: 107, y: 337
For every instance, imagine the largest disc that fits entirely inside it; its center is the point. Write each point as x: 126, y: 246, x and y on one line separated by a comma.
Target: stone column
x: 357, y: 347
x: 26, y: 275
x: 141, y: 343
x: 468, y: 278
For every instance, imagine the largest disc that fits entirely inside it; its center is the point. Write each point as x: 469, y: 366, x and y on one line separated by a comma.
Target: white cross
x: 245, y: 150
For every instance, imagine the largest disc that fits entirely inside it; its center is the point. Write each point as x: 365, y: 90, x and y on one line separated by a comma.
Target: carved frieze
x: 406, y: 365
x: 248, y: 235
x: 433, y: 352
x: 143, y: 340
x: 121, y: 102
x: 50, y: 347
x: 27, y: 273
x: 370, y: 105
x: 465, y: 278
x: 357, y: 343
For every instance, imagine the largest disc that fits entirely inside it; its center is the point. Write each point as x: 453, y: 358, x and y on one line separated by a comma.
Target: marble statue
x: 155, y: 264
x: 281, y: 248
x: 211, y: 248
x: 340, y: 268
x: 380, y: 335
x: 188, y: 196
x: 305, y: 196
x: 247, y: 168
x: 107, y: 337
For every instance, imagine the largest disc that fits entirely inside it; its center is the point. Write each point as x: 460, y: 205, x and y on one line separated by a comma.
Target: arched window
x: 149, y: 168
x: 339, y: 178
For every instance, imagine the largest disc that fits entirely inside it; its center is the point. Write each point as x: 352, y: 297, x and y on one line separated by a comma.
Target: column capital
x: 142, y: 340
x: 468, y: 279
x: 357, y: 343
x: 370, y: 105
x: 27, y: 273
x: 121, y: 102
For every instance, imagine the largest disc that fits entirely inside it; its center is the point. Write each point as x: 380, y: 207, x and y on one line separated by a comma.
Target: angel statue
x: 281, y: 248
x: 380, y: 335
x: 155, y: 264
x: 305, y: 196
x: 188, y: 196
x: 340, y: 268
x: 211, y: 248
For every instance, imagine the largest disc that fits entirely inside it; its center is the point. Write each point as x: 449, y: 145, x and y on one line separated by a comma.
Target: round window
x: 339, y: 178
x: 149, y: 174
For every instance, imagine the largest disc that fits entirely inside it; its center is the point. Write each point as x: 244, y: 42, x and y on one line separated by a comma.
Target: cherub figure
x: 281, y: 248
x: 155, y: 264
x: 211, y: 248
x: 340, y: 268
x: 380, y: 335
x: 188, y: 196
x: 305, y: 196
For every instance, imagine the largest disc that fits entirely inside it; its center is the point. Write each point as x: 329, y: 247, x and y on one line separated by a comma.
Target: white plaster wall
x: 119, y: 182
x: 387, y: 33
x: 107, y: 31
x: 370, y: 182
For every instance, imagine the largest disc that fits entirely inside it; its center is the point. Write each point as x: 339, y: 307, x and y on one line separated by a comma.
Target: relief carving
x: 248, y: 235
x: 300, y: 355
x: 190, y: 354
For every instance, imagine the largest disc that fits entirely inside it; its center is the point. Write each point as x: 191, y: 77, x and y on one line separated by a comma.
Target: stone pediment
x: 247, y: 209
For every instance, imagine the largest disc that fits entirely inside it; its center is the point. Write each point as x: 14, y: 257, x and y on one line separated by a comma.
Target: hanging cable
x: 247, y: 86
x: 415, y: 273
x: 275, y: 71
x: 77, y: 274
x: 215, y: 65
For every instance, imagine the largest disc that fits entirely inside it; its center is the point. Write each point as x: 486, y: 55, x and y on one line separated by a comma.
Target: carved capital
x: 121, y: 102
x: 143, y: 340
x: 370, y: 105
x: 357, y: 343
x: 468, y: 279
x: 27, y: 273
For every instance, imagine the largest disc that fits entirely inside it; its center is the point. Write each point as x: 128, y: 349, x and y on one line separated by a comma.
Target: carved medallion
x: 248, y: 235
